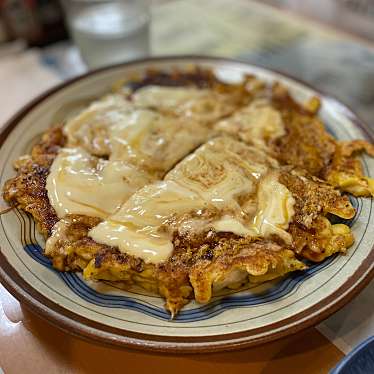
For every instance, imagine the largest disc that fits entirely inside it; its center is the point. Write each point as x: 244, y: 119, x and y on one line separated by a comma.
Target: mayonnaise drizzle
x: 79, y: 183
x: 225, y: 185
x: 141, y: 145
x: 217, y: 179
x: 256, y: 124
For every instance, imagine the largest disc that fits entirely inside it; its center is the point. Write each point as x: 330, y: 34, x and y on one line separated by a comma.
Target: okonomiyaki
x: 184, y: 185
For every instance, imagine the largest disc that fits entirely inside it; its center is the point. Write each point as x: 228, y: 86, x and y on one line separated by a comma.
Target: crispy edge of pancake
x: 183, y: 276
x: 309, y: 146
x: 27, y: 189
x: 68, y: 246
x: 321, y: 240
x: 194, y: 77
x: 345, y: 170
x: 180, y: 278
x: 306, y: 144
x: 314, y: 236
x: 314, y: 197
x: 260, y: 258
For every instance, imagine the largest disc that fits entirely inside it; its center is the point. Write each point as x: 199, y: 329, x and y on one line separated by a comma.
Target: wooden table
x: 29, y: 344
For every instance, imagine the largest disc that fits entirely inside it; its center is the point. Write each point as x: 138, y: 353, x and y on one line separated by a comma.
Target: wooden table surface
x: 29, y: 344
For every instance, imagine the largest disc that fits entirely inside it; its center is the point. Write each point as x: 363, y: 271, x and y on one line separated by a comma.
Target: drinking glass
x: 108, y: 32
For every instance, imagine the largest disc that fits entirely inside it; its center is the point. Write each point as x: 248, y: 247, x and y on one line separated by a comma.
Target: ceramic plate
x: 137, y: 319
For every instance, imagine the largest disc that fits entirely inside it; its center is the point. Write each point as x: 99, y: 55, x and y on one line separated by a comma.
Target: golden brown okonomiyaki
x: 185, y: 185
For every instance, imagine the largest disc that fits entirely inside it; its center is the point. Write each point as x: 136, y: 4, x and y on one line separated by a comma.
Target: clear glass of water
x: 108, y: 32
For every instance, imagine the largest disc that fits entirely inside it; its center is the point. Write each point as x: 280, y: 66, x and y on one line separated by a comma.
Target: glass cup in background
x: 108, y: 32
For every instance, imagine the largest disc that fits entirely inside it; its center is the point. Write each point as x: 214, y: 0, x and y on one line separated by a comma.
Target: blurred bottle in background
x: 38, y: 22
x: 108, y: 32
